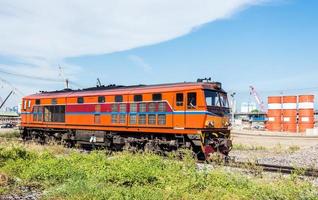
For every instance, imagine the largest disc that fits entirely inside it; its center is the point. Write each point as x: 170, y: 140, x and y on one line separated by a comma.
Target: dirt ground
x: 269, y: 140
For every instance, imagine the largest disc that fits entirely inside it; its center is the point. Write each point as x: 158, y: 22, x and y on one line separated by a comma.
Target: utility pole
x: 62, y: 75
x: 233, y: 107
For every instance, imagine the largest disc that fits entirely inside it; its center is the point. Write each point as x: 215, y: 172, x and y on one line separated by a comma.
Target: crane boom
x: 6, y: 99
x: 258, y: 99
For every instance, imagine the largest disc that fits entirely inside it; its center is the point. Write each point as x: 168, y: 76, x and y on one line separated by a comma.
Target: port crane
x: 6, y: 99
x: 258, y: 99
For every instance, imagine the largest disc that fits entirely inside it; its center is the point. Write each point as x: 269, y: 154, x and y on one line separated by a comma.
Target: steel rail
x: 310, y: 172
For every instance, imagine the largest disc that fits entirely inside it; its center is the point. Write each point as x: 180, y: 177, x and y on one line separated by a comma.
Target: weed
x: 293, y: 148
x: 10, y: 134
x: 243, y: 147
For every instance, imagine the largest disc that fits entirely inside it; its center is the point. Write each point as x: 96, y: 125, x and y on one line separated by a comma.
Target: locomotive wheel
x: 153, y: 147
x: 130, y: 148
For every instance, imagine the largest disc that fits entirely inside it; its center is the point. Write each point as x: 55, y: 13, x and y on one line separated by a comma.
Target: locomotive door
x: 179, y: 116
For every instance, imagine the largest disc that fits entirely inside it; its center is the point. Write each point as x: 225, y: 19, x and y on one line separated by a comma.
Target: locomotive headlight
x: 210, y: 124
x: 226, y: 124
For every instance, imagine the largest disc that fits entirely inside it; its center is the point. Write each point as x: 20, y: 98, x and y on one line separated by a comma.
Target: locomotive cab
x: 216, y: 132
x: 218, y: 109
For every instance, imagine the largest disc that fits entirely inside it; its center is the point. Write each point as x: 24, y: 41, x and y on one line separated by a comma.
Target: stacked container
x: 289, y: 119
x: 306, y: 112
x: 274, y: 113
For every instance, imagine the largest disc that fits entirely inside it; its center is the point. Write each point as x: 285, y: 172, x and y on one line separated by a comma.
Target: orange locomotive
x: 154, y: 117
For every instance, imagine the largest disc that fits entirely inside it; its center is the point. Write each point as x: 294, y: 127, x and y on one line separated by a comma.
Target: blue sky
x: 272, y: 45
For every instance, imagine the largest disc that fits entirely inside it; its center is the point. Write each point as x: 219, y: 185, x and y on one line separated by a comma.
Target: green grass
x: 74, y: 175
x: 243, y: 147
x: 10, y: 134
x: 276, y: 149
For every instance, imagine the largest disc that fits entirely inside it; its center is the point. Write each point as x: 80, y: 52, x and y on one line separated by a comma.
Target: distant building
x: 9, y: 117
x: 247, y: 107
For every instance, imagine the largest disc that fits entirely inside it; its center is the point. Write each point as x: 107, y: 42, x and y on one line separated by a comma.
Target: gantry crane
x: 258, y: 99
x: 6, y: 99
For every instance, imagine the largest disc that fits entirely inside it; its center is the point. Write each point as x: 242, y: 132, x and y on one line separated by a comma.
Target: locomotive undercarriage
x: 202, y: 145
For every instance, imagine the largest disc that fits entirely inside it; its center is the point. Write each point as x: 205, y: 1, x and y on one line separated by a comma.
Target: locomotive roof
x: 133, y: 89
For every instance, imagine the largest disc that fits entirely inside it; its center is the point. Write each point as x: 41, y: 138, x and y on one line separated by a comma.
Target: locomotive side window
x: 179, y: 99
x: 192, y: 100
x: 80, y: 100
x: 115, y: 108
x: 54, y: 101
x: 133, y: 119
x: 40, y: 114
x: 152, y: 119
x: 161, y: 119
x: 101, y: 99
x: 54, y: 113
x: 60, y: 116
x: 138, y: 98
x: 162, y: 107
x: 142, y: 107
x: 133, y: 107
x: 37, y: 101
x: 152, y: 107
x: 47, y: 114
x: 142, y: 119
x: 122, y: 118
x: 114, y: 118
x: 35, y: 113
x: 118, y: 98
x: 122, y: 108
x: 157, y: 97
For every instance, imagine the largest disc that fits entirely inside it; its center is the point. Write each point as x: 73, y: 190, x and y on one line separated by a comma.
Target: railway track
x: 278, y: 168
x: 309, y: 172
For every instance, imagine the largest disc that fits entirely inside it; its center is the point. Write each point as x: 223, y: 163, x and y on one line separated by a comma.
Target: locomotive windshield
x: 216, y: 99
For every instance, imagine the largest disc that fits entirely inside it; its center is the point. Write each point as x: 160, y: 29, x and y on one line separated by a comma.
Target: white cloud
x: 41, y: 33
x: 140, y: 62
x: 59, y: 29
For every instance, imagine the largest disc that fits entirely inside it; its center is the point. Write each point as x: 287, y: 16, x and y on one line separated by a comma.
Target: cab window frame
x: 191, y: 100
x: 157, y: 97
x: 80, y: 100
x: 179, y: 99
x: 118, y: 98
x: 37, y: 101
x: 138, y: 98
x: 101, y: 99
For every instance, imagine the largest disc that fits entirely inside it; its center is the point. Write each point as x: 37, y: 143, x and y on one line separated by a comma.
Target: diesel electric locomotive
x: 165, y: 117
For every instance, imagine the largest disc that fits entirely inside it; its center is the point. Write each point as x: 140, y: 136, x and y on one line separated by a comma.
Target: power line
x: 39, y: 78
x: 280, y: 91
x: 30, y: 77
x: 11, y: 86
